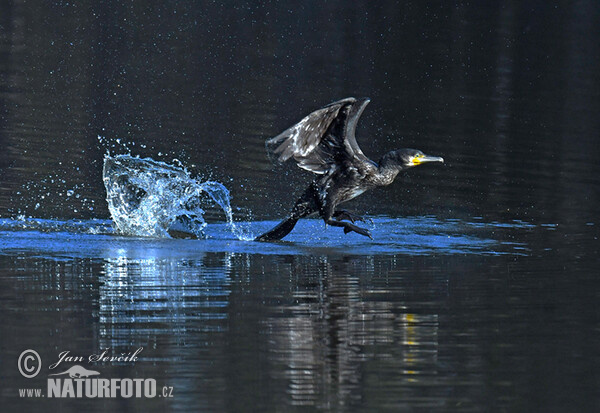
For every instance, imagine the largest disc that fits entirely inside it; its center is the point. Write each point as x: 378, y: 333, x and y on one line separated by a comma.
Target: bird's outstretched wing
x: 323, y: 139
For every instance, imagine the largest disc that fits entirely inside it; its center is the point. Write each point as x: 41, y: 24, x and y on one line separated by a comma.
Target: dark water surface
x: 480, y: 290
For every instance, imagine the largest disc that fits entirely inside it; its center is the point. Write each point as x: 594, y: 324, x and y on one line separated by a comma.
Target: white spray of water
x: 150, y: 198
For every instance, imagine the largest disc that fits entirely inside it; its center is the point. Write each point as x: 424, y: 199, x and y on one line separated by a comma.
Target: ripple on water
x: 411, y: 235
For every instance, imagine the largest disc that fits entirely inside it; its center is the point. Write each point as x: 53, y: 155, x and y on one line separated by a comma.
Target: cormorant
x: 324, y: 143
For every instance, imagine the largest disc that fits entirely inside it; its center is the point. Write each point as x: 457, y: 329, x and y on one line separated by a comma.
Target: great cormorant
x: 324, y: 143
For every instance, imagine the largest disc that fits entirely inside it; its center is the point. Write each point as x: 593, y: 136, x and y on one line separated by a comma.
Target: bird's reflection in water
x: 338, y: 322
x: 319, y: 330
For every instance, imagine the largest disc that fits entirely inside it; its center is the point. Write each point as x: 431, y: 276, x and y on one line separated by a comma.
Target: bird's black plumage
x: 324, y: 143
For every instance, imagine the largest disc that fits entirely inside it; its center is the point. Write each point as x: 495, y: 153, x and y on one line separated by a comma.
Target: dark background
x: 507, y: 92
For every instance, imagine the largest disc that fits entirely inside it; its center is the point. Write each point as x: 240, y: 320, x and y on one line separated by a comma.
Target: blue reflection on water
x: 412, y: 235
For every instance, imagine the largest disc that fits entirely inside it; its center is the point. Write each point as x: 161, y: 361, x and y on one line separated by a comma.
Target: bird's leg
x: 328, y: 212
x: 348, y: 227
x: 342, y: 214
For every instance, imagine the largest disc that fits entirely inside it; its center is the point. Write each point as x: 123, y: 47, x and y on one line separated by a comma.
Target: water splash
x: 154, y: 199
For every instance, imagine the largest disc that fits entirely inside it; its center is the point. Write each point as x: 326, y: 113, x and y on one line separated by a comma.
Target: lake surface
x: 478, y: 292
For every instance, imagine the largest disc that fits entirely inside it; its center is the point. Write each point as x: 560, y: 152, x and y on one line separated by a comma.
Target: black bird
x: 324, y: 143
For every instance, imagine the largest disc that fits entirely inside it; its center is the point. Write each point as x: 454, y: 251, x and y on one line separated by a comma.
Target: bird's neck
x: 388, y: 169
x: 386, y: 174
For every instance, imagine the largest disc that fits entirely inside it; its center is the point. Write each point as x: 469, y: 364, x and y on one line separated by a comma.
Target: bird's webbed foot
x: 342, y: 214
x: 353, y: 228
x: 348, y: 227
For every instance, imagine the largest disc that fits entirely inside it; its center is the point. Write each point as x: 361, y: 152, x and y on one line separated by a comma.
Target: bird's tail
x: 280, y: 231
x: 304, y: 207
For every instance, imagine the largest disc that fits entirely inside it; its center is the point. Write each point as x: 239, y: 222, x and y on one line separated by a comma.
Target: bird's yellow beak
x: 419, y: 159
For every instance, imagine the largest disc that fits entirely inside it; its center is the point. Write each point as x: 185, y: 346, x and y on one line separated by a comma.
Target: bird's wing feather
x: 355, y: 112
x: 322, y: 139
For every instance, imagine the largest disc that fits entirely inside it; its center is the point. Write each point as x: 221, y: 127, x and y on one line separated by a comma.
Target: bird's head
x: 406, y: 158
